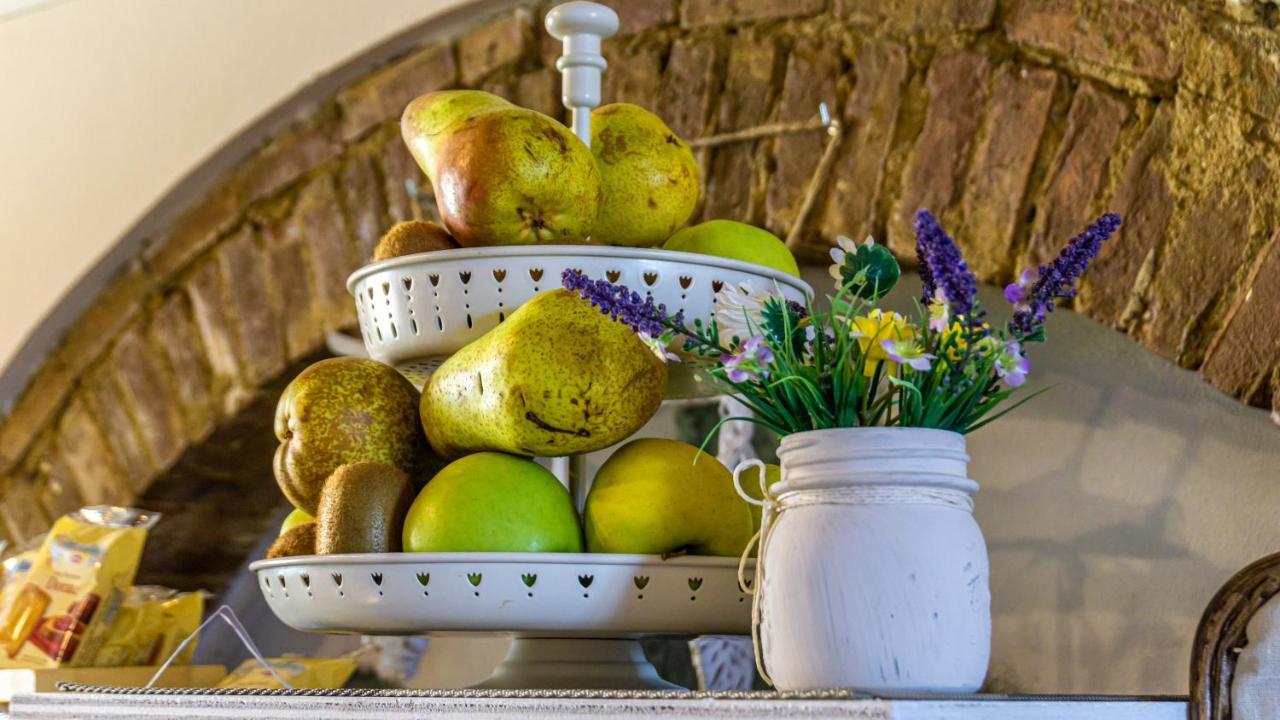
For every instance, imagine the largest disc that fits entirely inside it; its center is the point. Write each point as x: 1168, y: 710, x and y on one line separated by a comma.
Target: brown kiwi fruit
x: 362, y: 509
x: 300, y: 540
x: 414, y: 236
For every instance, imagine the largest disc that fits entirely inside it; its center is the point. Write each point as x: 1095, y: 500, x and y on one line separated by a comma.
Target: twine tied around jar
x: 772, y: 505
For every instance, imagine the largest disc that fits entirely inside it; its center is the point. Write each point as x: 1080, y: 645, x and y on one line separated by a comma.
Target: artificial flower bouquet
x: 852, y: 363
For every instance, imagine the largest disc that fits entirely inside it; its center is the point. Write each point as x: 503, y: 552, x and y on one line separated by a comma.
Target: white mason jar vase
x: 872, y: 571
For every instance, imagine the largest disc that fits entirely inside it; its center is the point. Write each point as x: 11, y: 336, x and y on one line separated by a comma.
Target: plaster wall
x: 105, y: 105
x: 1114, y: 507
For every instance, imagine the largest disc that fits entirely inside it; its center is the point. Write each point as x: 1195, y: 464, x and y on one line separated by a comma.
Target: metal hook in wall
x: 824, y: 120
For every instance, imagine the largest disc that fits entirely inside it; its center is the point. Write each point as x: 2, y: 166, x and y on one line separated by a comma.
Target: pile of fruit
x: 506, y: 175
x: 372, y: 465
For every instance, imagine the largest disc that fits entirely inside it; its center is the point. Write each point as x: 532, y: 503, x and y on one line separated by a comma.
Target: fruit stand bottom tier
x: 545, y: 594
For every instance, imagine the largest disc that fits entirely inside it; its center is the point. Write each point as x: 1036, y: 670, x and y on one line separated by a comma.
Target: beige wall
x: 105, y: 105
x: 1114, y: 507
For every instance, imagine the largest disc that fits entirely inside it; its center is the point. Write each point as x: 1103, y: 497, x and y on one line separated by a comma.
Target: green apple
x: 651, y: 498
x: 492, y: 502
x: 294, y: 519
x: 736, y: 241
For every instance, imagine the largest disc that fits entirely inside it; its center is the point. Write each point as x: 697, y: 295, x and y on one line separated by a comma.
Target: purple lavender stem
x: 625, y: 306
x: 1058, y: 278
x: 942, y: 266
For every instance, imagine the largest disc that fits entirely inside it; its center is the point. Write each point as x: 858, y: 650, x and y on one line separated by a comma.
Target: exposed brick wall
x: 1015, y: 120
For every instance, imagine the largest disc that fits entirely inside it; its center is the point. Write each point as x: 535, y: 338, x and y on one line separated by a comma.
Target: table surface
x: 66, y: 705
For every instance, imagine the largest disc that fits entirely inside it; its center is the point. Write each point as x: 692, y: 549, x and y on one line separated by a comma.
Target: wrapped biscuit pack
x: 15, y: 567
x: 149, y: 625
x: 179, y: 617
x: 301, y: 673
x: 61, y: 609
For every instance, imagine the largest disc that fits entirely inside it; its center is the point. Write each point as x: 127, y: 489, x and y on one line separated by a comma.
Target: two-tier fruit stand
x: 575, y: 616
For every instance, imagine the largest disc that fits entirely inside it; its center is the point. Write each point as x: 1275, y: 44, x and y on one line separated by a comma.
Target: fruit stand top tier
x: 416, y: 310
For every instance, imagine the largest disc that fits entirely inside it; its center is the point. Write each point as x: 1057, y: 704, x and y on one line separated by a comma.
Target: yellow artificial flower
x: 986, y: 346
x: 954, y: 340
x: 872, y: 330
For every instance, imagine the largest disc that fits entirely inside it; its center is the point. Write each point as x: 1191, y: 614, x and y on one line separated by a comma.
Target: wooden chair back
x: 1221, y: 635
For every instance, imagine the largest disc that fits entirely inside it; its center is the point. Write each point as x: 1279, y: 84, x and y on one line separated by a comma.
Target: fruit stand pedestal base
x: 576, y: 663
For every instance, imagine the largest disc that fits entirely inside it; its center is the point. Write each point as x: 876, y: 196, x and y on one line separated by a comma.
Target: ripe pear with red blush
x: 503, y: 175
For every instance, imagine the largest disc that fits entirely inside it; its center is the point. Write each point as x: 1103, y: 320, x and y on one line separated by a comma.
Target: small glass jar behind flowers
x: 871, y: 570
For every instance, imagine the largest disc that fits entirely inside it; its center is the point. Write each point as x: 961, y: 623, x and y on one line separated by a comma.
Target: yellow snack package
x: 63, y: 608
x: 180, y: 615
x: 15, y: 568
x: 150, y: 624
x: 136, y: 630
x: 301, y: 673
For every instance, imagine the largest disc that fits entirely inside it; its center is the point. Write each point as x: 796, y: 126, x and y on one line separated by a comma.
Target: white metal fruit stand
x: 576, y: 617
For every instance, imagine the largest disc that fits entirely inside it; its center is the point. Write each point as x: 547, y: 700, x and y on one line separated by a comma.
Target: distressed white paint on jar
x: 875, y: 572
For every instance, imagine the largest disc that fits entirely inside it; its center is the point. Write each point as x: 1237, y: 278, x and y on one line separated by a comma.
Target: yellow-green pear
x: 650, y: 497
x: 649, y: 175
x: 736, y: 241
x: 556, y: 378
x: 503, y: 175
x: 345, y: 410
x: 428, y: 117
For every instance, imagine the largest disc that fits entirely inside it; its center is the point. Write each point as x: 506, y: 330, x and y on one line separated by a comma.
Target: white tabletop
x: 88, y: 705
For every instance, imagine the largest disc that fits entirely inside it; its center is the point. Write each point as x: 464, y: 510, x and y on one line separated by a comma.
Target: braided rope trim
x: 473, y: 694
x: 831, y: 694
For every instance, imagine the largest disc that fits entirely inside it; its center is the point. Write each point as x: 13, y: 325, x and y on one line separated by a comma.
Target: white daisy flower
x: 658, y: 345
x: 740, y: 310
x: 843, y: 247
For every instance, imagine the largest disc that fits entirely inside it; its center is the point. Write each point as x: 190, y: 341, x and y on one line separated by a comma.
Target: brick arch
x: 1014, y: 120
